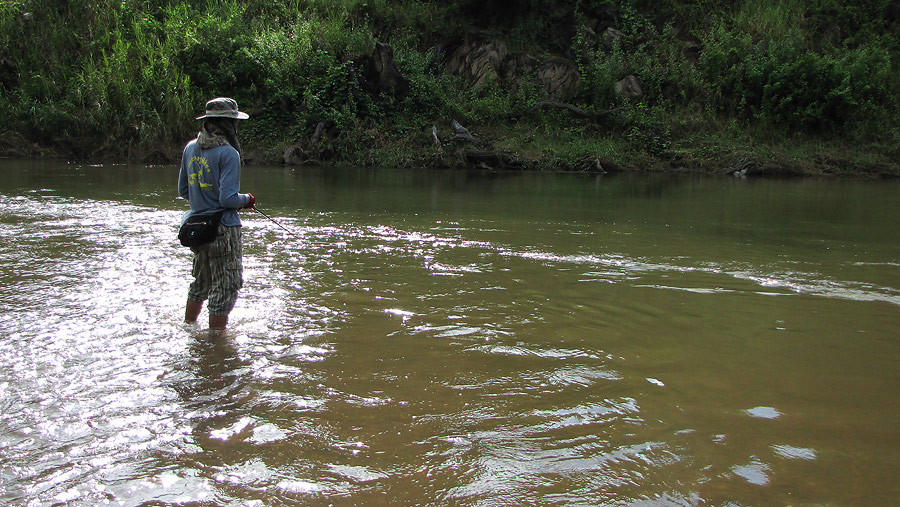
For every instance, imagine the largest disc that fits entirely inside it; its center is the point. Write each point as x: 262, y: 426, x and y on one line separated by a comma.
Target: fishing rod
x: 261, y: 212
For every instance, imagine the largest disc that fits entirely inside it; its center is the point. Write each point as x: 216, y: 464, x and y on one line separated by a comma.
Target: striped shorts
x: 218, y: 272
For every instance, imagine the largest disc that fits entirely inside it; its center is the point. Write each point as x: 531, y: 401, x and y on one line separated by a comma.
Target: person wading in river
x: 210, y: 179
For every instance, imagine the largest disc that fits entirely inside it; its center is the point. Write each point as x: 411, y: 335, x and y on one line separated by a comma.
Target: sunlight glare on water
x: 437, y: 338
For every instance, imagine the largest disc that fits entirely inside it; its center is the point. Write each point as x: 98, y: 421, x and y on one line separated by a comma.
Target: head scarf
x: 218, y: 132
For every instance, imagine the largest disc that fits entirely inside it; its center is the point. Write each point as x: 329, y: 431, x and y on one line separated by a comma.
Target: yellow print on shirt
x: 199, y: 172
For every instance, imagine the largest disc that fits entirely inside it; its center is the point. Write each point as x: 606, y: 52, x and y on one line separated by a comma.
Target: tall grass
x: 770, y: 19
x: 110, y: 85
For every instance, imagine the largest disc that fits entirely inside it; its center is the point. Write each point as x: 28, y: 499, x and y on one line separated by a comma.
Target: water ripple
x: 377, y: 359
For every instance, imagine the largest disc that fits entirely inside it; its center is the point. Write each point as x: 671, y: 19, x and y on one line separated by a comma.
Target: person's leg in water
x: 226, y: 277
x: 199, y: 289
x: 218, y: 323
x: 192, y: 310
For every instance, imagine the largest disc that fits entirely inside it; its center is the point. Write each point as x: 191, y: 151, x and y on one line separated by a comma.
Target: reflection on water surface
x: 453, y: 339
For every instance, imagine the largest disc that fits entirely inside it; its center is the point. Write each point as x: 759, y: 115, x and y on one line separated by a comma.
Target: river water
x: 453, y: 338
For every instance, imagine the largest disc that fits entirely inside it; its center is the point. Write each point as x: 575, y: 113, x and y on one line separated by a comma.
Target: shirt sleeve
x: 230, y: 181
x: 183, y: 180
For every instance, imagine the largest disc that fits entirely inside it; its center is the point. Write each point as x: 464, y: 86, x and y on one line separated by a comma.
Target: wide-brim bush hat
x: 223, y: 107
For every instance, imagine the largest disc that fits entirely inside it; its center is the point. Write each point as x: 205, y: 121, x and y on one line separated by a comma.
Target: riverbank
x: 753, y: 87
x: 515, y: 148
x: 534, y: 147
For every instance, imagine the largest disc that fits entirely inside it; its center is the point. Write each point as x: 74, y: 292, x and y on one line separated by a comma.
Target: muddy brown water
x: 453, y: 338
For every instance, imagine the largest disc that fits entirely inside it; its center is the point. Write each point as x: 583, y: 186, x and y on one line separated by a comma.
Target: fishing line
x: 261, y: 212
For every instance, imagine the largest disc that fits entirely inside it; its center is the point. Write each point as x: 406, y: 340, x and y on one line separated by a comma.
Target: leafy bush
x: 599, y: 70
x: 783, y: 83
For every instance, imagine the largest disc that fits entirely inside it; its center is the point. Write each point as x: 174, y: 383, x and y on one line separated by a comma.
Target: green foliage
x: 781, y: 82
x: 127, y: 77
x: 838, y: 23
x: 770, y: 19
x: 431, y: 95
x: 600, y: 70
x: 110, y: 84
x: 648, y: 129
x: 211, y: 43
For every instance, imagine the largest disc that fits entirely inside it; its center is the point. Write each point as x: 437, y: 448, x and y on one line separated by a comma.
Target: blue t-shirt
x: 210, y: 179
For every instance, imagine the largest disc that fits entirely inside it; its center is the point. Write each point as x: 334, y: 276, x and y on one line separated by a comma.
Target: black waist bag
x: 200, y: 229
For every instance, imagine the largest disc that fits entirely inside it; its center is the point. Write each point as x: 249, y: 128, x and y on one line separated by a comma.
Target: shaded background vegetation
x: 802, y: 85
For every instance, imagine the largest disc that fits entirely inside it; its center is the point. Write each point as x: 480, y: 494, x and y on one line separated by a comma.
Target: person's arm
x: 230, y: 181
x: 183, y: 180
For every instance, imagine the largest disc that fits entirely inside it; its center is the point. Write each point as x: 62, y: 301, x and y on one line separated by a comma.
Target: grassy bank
x: 761, y: 86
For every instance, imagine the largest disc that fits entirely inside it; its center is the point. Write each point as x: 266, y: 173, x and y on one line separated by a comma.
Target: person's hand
x: 252, y: 203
